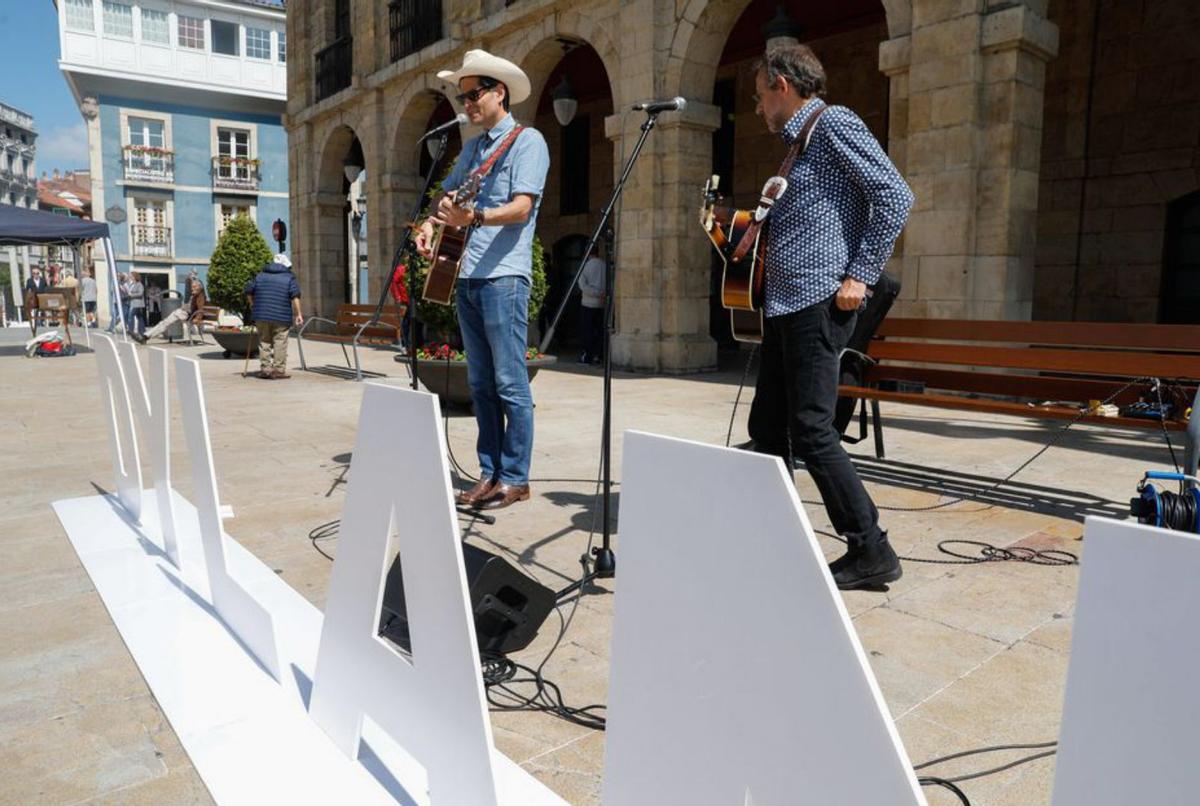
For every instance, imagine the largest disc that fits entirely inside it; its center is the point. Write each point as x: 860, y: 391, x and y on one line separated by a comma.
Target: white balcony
x: 149, y: 164
x: 235, y: 173
x: 151, y: 241
x: 92, y: 52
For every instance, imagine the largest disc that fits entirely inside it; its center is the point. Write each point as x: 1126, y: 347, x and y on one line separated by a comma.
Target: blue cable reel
x: 1165, y: 509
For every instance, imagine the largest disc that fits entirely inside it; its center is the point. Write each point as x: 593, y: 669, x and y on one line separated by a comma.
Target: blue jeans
x: 494, y: 317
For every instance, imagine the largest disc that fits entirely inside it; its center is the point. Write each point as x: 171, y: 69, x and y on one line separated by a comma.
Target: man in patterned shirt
x: 828, y: 237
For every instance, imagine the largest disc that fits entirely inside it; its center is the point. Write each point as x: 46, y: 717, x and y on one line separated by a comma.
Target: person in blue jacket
x: 274, y: 298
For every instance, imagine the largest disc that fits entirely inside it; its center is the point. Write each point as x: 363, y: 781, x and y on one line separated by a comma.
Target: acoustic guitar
x: 743, y: 275
x: 449, y: 245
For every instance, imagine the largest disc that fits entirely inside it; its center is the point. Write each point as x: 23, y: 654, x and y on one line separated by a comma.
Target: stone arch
x: 703, y: 28
x: 326, y: 285
x: 540, y: 50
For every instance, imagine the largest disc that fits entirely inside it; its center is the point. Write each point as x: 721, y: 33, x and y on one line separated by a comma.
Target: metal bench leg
x: 357, y: 368
x: 345, y: 355
x: 877, y: 426
x: 300, y: 348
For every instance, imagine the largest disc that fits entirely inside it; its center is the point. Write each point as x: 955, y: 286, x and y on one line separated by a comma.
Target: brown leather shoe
x: 471, y: 497
x: 504, y: 495
x: 266, y: 375
x: 279, y: 374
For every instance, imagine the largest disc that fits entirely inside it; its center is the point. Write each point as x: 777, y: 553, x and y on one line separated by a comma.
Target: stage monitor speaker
x: 509, y: 606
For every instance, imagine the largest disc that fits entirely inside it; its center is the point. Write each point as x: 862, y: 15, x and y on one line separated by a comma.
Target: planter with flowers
x: 442, y: 369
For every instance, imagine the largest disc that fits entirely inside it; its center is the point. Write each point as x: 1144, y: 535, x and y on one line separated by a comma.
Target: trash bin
x: 171, y: 302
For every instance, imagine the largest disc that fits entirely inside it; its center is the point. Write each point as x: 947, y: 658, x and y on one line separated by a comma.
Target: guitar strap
x: 483, y: 170
x: 799, y: 145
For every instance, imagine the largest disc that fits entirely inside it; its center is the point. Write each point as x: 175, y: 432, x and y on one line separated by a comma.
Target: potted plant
x: 240, y: 254
x: 441, y: 362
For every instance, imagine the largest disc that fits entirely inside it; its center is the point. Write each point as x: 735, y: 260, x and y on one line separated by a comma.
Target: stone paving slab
x: 966, y: 655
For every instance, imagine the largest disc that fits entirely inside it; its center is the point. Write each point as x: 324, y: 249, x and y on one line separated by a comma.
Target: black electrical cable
x: 988, y: 553
x: 499, y: 672
x: 741, y: 386
x: 929, y: 780
x: 958, y: 499
x: 1052, y: 749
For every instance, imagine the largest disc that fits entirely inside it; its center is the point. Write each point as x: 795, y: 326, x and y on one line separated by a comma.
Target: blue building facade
x: 184, y: 104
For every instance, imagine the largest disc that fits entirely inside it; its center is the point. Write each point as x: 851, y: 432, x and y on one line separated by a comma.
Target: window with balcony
x: 335, y: 65
x: 118, y: 19
x: 283, y: 47
x: 258, y: 43
x: 191, y: 32
x: 229, y: 212
x: 412, y: 25
x: 151, y: 235
x: 225, y: 38
x: 233, y: 167
x: 80, y: 16
x: 155, y: 27
x: 147, y: 157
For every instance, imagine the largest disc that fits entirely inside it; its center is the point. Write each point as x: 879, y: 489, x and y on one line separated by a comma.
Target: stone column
x: 1016, y: 44
x: 895, y: 58
x: 663, y: 257
x: 974, y: 126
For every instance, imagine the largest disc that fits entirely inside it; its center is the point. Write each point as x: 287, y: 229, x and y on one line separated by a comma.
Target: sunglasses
x: 473, y: 95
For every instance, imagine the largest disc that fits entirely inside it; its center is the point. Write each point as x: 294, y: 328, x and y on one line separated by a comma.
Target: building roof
x: 67, y: 193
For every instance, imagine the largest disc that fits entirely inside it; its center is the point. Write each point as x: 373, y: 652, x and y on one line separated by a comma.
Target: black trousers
x: 591, y: 331
x: 793, y: 409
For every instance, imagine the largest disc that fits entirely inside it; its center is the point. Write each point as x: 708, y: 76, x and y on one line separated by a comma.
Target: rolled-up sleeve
x: 888, y: 195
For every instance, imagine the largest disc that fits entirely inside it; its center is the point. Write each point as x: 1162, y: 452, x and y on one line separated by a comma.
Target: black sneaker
x: 138, y: 337
x: 871, y: 566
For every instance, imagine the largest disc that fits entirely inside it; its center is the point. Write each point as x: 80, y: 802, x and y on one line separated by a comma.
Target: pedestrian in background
x: 137, y: 303
x: 591, y: 314
x: 274, y: 297
x: 88, y: 284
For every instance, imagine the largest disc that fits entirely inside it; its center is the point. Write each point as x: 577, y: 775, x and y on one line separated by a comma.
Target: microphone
x: 460, y: 119
x: 654, y: 107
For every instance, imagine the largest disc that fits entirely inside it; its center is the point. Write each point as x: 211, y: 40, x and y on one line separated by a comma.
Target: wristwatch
x: 477, y: 219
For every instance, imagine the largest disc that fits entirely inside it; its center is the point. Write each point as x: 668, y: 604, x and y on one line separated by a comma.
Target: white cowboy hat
x: 482, y: 63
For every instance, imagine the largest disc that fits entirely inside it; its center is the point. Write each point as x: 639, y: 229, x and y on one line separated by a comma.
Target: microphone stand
x: 604, y: 565
x: 407, y: 251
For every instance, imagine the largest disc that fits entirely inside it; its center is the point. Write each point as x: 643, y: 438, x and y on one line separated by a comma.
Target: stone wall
x: 1122, y: 140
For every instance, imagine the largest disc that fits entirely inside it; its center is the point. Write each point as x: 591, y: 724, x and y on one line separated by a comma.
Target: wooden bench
x: 1048, y: 370
x: 353, y: 326
x: 209, y: 316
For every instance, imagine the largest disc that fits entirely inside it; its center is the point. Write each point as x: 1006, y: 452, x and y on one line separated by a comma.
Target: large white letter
x: 152, y: 408
x: 122, y: 434
x: 245, y: 617
x: 1131, y: 716
x: 737, y: 676
x: 434, y: 706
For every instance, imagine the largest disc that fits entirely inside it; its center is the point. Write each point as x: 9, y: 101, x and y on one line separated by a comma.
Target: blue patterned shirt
x: 507, y: 249
x: 841, y: 214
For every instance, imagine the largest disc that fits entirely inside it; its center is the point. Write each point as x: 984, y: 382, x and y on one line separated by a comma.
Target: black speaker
x: 509, y: 606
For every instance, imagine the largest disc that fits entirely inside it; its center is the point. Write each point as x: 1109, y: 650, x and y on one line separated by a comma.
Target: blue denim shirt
x: 844, y: 207
x: 503, y: 250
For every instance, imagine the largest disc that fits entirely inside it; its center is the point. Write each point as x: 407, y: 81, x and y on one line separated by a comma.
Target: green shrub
x: 241, y: 253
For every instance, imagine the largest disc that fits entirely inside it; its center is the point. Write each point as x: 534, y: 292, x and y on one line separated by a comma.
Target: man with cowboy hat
x: 496, y: 271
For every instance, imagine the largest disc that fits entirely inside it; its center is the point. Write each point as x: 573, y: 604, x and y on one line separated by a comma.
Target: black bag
x: 853, y: 368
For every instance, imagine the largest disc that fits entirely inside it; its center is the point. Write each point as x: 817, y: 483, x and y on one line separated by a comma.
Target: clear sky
x: 31, y: 81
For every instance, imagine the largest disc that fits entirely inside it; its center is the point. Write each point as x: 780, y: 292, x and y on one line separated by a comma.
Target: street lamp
x: 782, y: 29
x: 565, y: 102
